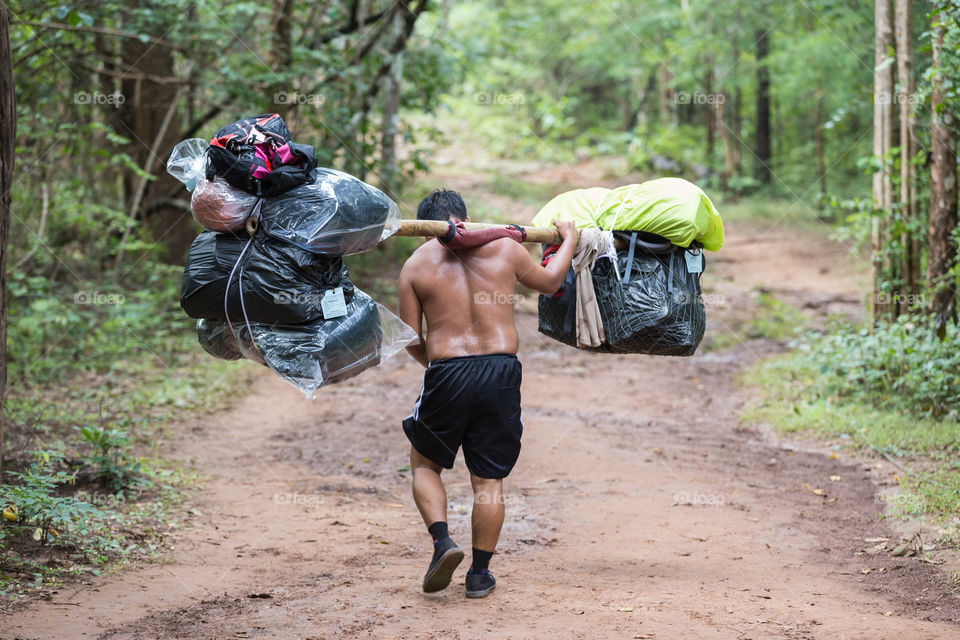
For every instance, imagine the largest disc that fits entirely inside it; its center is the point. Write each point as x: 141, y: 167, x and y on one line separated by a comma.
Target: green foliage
x: 38, y: 506
x: 114, y: 466
x: 900, y: 365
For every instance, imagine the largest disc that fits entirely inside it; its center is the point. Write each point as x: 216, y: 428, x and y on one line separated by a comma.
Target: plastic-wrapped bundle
x: 322, y: 352
x: 280, y: 283
x: 336, y: 214
x: 657, y: 311
x: 216, y: 206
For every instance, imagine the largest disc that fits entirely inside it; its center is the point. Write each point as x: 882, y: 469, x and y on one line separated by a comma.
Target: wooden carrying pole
x: 440, y: 228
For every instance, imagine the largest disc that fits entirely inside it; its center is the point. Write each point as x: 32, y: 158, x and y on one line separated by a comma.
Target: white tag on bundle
x: 694, y: 260
x: 332, y: 304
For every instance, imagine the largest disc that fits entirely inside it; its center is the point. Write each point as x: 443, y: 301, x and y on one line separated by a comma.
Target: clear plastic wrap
x: 336, y: 214
x: 188, y: 161
x: 216, y: 206
x: 318, y: 353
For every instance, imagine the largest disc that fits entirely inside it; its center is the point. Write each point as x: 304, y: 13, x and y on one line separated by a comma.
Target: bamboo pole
x: 440, y: 228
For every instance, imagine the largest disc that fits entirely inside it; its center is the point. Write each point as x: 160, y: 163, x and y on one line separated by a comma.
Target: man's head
x: 441, y: 205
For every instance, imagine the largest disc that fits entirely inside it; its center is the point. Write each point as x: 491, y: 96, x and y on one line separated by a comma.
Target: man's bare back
x: 467, y: 297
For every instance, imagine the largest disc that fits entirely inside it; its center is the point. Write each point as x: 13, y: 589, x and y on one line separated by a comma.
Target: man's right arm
x: 549, y: 278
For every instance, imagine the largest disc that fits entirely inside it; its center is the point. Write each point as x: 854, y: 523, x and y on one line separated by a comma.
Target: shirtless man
x: 471, y: 388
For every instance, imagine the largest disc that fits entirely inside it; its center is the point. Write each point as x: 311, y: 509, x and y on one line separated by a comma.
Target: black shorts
x: 473, y: 401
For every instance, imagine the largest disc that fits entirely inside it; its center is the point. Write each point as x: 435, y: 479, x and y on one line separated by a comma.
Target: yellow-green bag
x: 673, y: 208
x: 580, y: 205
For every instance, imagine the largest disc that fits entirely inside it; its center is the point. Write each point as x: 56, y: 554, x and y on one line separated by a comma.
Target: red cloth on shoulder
x: 462, y: 238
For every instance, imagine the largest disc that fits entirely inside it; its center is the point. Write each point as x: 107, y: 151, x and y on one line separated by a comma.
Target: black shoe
x: 479, y: 585
x: 446, y: 558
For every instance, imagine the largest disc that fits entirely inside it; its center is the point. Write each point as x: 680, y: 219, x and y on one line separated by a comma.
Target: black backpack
x: 256, y: 155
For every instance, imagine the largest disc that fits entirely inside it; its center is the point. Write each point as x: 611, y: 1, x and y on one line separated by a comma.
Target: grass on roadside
x: 893, y: 392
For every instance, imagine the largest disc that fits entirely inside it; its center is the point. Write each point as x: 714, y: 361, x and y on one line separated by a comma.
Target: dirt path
x: 641, y: 508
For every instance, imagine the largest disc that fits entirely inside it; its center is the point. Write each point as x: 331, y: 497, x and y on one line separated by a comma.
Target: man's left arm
x: 411, y: 312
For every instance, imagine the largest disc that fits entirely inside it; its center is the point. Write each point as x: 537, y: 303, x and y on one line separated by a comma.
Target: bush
x: 901, y: 365
x: 34, y: 503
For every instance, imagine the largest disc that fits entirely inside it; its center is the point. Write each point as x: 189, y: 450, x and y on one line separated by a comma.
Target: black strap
x: 633, y: 247
x: 670, y: 273
x: 570, y: 294
x: 523, y: 232
x: 451, y: 233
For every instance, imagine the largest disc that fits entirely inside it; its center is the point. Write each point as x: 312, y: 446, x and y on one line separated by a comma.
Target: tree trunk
x: 762, y: 150
x: 668, y: 102
x: 736, y: 120
x: 391, y: 105
x: 140, y: 117
x: 943, y: 191
x: 882, y: 142
x: 280, y: 57
x: 710, y: 112
x: 818, y: 147
x: 8, y: 132
x: 910, y: 259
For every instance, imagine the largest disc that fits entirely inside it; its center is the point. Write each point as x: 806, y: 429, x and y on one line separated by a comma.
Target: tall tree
x: 392, y: 82
x: 943, y: 184
x: 8, y: 132
x: 762, y: 145
x: 910, y: 258
x: 882, y: 143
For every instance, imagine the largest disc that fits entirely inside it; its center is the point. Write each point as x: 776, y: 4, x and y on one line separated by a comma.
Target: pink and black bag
x: 256, y: 155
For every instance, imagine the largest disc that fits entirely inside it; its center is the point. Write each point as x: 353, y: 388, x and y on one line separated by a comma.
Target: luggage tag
x: 332, y: 304
x: 694, y: 259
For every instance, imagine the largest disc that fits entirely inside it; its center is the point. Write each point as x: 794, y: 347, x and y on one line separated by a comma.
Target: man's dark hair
x: 440, y: 205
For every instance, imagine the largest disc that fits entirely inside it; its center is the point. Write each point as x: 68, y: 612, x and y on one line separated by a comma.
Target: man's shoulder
x: 422, y: 254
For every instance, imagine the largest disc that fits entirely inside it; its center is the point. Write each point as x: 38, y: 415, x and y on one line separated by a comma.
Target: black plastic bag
x: 657, y: 311
x: 336, y: 215
x: 280, y: 283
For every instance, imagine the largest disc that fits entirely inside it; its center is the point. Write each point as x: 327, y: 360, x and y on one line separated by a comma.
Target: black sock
x: 481, y: 560
x: 439, y: 531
